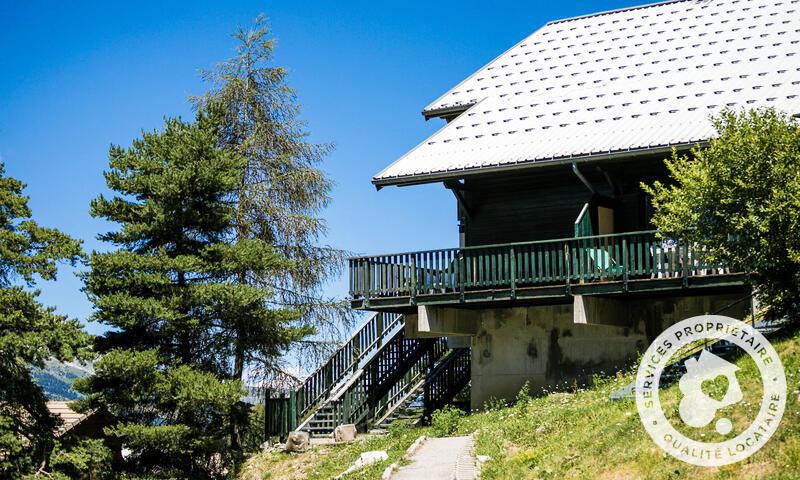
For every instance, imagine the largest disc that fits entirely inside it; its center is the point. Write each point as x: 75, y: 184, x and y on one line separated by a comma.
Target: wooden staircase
x: 371, y: 380
x: 425, y: 394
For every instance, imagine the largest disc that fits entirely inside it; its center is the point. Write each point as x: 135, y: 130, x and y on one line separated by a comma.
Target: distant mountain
x: 56, y: 378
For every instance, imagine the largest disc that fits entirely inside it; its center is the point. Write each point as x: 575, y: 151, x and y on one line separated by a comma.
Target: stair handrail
x: 344, y: 361
x: 445, y: 372
x: 358, y: 404
x: 412, y: 383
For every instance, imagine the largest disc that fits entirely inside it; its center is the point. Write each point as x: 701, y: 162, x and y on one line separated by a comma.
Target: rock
x: 387, y: 474
x: 297, y: 442
x: 366, y: 458
x: 374, y: 456
x: 412, y: 449
x: 344, y: 433
x: 270, y: 446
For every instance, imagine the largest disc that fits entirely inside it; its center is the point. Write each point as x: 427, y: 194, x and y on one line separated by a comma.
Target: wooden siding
x: 544, y: 203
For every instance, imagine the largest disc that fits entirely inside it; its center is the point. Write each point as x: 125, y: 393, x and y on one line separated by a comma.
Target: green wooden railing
x: 285, y: 412
x: 447, y: 379
x: 362, y: 403
x: 616, y: 257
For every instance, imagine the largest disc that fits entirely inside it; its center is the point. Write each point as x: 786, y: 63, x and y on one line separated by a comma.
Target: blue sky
x: 76, y: 77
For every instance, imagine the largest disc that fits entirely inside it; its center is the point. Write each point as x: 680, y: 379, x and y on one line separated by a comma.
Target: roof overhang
x: 471, y: 172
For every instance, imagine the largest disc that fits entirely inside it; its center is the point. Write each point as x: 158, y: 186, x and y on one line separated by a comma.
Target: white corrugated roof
x: 615, y: 82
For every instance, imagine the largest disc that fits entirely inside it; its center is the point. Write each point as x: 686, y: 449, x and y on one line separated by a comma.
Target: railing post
x: 413, y: 293
x: 513, y: 274
x: 379, y: 326
x: 625, y: 266
x: 292, y: 411
x: 367, y: 281
x: 269, y: 411
x: 568, y: 269
x: 684, y: 262
x: 462, y: 274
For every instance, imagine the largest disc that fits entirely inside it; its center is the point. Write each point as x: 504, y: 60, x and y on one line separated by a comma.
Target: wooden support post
x: 379, y: 326
x: 268, y: 412
x: 292, y: 411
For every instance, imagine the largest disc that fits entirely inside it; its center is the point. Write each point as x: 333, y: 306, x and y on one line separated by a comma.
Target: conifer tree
x: 283, y: 191
x: 29, y: 332
x: 171, y: 295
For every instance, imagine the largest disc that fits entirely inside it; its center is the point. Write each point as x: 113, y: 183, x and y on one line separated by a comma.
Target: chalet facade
x: 557, y: 272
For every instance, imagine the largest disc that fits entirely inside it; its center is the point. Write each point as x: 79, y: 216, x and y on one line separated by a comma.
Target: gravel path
x: 440, y: 459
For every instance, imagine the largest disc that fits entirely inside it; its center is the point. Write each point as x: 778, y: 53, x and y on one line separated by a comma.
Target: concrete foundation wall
x: 557, y: 346
x: 543, y: 346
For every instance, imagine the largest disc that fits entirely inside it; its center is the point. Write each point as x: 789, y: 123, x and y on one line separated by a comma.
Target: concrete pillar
x: 588, y: 309
x: 441, y: 322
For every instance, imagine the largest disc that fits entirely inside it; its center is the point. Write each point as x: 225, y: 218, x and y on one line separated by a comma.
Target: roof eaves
x: 408, y: 180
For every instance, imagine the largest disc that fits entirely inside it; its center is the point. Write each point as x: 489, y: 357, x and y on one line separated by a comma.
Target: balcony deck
x: 543, y: 271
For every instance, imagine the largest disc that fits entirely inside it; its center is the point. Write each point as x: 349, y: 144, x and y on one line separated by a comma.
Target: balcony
x: 541, y: 271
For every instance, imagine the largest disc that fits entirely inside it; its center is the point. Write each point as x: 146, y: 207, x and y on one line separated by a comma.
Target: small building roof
x: 69, y: 417
x: 613, y: 83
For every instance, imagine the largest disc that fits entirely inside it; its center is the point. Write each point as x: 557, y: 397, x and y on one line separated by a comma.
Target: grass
x: 325, y: 462
x: 580, y: 435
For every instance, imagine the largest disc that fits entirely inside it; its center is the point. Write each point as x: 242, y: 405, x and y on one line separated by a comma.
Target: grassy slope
x: 580, y: 435
x: 325, y: 462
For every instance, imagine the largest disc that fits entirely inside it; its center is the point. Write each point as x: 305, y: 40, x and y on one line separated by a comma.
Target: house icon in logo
x: 698, y: 409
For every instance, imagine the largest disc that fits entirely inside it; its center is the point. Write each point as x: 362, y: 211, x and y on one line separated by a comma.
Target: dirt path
x: 441, y: 459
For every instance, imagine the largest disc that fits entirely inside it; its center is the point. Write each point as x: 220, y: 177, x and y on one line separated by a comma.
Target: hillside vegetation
x: 578, y: 435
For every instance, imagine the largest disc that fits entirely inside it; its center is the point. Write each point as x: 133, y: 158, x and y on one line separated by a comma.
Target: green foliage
x: 82, y: 459
x: 325, y: 462
x: 524, y: 394
x: 171, y: 294
x: 740, y: 198
x: 29, y: 332
x: 444, y: 422
x: 282, y: 193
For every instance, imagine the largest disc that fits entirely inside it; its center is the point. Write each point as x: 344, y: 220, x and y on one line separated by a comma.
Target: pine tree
x: 171, y: 295
x: 283, y: 190
x: 29, y: 332
x: 281, y: 195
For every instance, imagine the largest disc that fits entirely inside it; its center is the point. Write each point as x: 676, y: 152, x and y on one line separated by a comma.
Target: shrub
x: 445, y: 422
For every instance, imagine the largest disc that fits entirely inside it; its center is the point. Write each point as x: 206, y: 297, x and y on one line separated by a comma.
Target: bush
x: 445, y: 422
x: 83, y: 459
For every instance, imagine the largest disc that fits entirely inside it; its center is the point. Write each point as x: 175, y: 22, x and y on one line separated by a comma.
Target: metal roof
x: 614, y: 83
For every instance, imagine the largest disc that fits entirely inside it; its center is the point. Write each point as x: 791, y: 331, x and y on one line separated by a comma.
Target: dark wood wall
x: 543, y: 202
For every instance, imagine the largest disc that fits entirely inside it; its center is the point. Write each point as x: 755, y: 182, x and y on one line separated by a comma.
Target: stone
x: 366, y: 458
x: 269, y: 446
x: 344, y: 433
x: 297, y: 442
